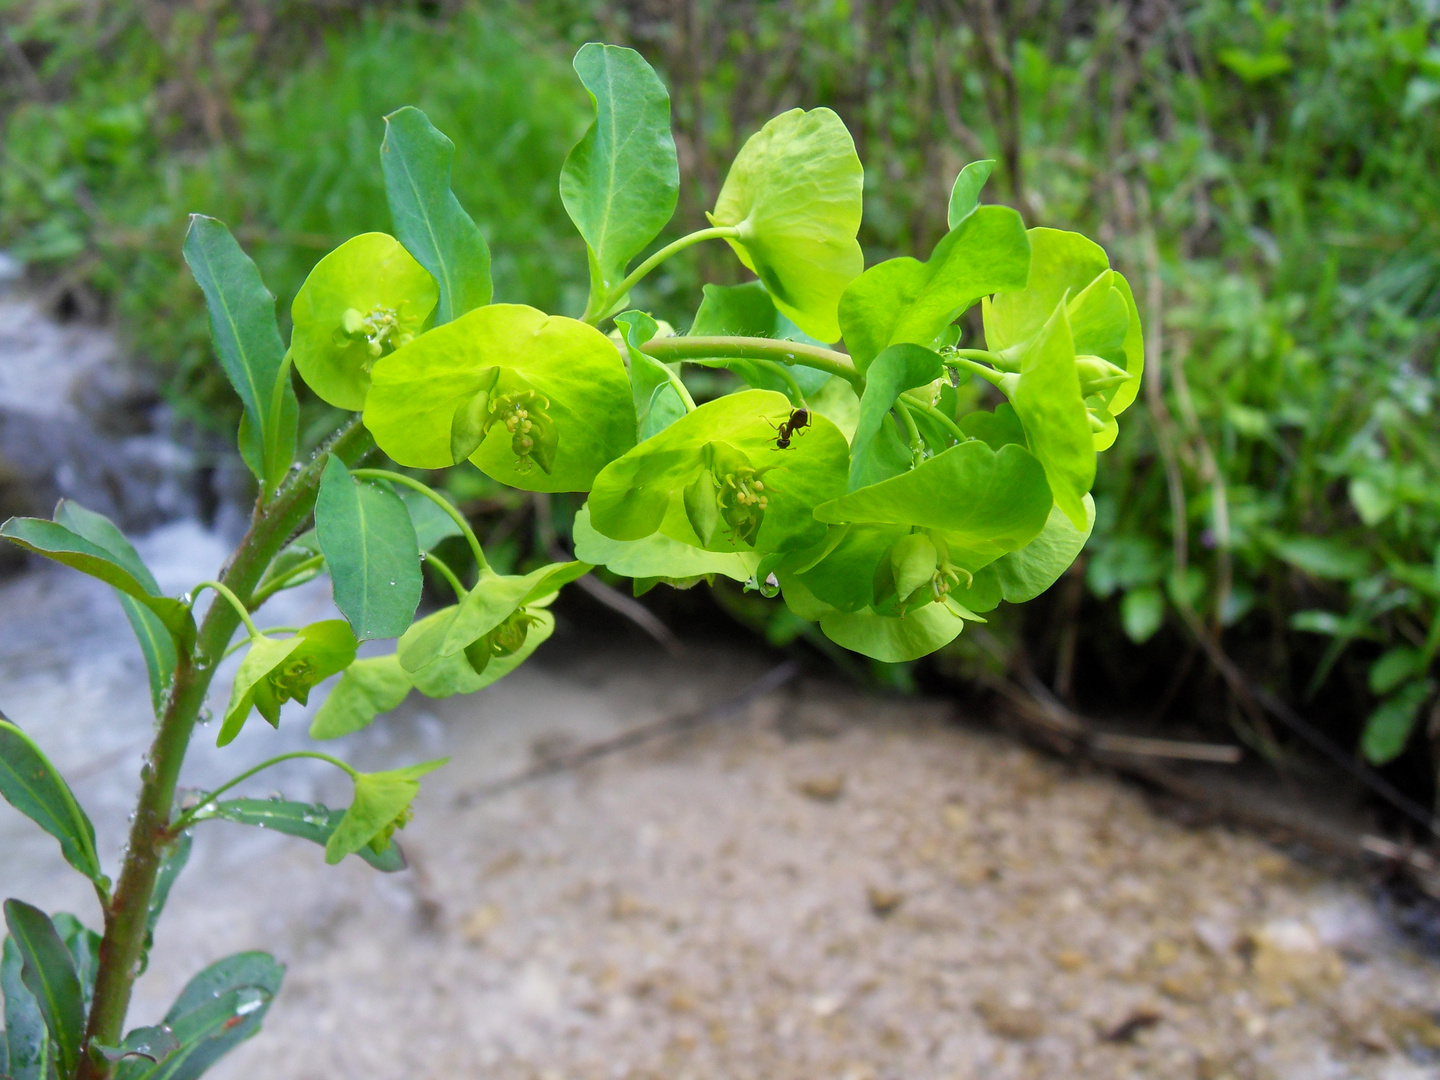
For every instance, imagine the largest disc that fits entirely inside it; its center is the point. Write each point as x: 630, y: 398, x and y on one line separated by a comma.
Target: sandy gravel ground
x: 828, y: 885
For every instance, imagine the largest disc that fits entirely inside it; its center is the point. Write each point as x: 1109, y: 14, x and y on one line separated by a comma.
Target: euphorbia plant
x: 847, y: 481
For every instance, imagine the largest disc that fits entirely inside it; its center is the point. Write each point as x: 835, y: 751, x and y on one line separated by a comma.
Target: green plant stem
x: 233, y: 600
x: 431, y: 559
x: 118, y: 962
x: 681, y: 389
x: 238, y: 645
x: 670, y: 349
x: 435, y: 497
x: 917, y: 444
x: 985, y: 372
x: 314, y: 562
x: 606, y: 308
x: 179, y: 824
x: 938, y: 416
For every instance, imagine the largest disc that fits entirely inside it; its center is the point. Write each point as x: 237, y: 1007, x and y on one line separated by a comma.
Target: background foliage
x: 1268, y: 175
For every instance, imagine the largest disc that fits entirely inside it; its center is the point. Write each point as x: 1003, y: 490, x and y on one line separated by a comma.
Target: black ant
x: 797, y: 421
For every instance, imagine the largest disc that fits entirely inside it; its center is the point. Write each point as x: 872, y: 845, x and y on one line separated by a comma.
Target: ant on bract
x: 797, y: 421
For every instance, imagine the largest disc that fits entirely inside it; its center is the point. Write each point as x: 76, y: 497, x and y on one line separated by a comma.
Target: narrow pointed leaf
x: 55, y: 541
x: 368, y: 688
x: 307, y: 821
x: 48, y: 972
x: 429, y: 220
x: 156, y: 644
x: 620, y: 182
x: 369, y: 544
x: 172, y: 862
x: 30, y: 1048
x: 31, y: 784
x: 153, y: 1044
x: 247, y: 341
x: 218, y: 1009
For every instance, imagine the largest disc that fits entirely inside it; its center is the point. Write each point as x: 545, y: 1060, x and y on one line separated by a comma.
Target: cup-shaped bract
x: 794, y: 193
x: 726, y: 451
x: 275, y: 671
x: 362, y: 301
x: 567, y: 379
x: 1100, y: 308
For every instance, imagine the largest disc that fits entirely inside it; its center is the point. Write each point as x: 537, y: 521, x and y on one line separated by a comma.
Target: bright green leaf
x: 657, y: 403
x: 894, y: 640
x: 1046, y: 396
x: 307, y: 821
x: 984, y: 503
x: 1394, y: 667
x: 656, y: 556
x: 965, y: 193
x: 369, y: 544
x: 494, y: 599
x: 31, y: 784
x: 276, y: 671
x: 620, y: 182
x: 898, y: 368
x: 1028, y: 572
x: 644, y: 491
x: 905, y: 300
x: 429, y: 220
x: 363, y: 300
x: 795, y: 193
x: 368, y: 688
x: 447, y: 676
x: 381, y: 805
x: 572, y: 371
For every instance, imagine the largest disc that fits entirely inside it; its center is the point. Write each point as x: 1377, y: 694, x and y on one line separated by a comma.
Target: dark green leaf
x: 432, y: 524
x: 173, y: 860
x: 429, y: 220
x: 247, y: 341
x: 30, y: 1048
x: 366, y: 689
x: 382, y: 804
x: 286, y: 566
x: 156, y: 645
x: 369, y: 544
x: 898, y: 368
x: 218, y: 1009
x: 1394, y: 667
x: 49, y: 974
x: 84, y: 946
x: 31, y: 784
x: 55, y: 541
x: 1388, y: 728
x: 1323, y: 556
x: 965, y: 194
x: 621, y: 180
x: 308, y: 821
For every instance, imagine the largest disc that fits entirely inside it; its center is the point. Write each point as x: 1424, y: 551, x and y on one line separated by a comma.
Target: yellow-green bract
x: 644, y: 492
x: 574, y: 372
x: 361, y: 302
x: 795, y: 192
